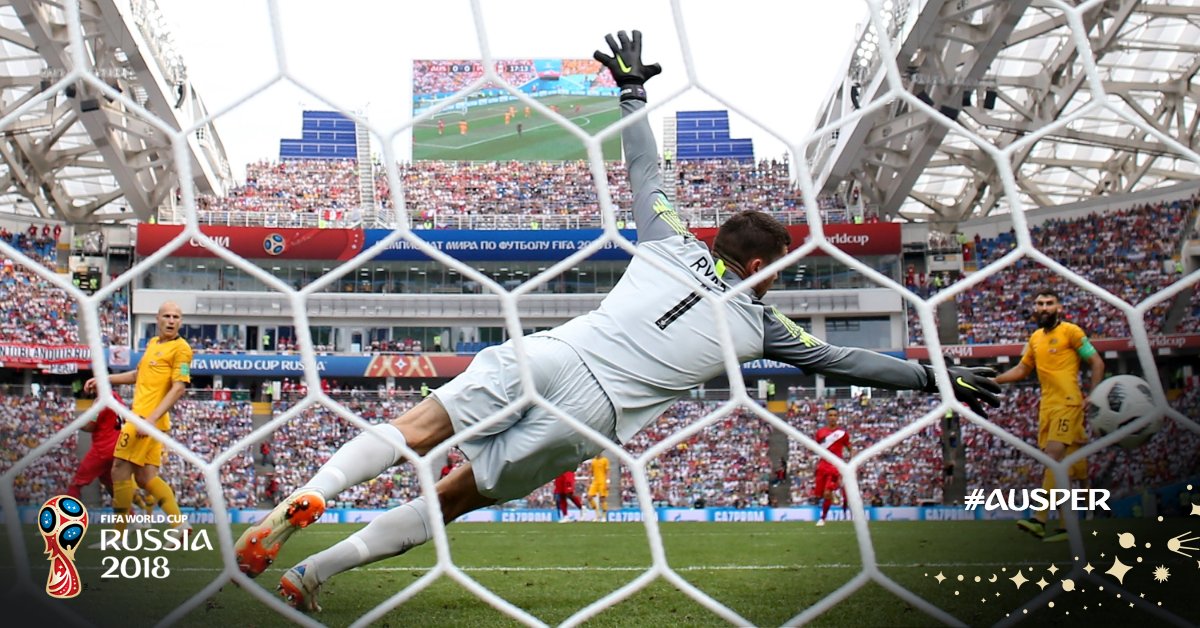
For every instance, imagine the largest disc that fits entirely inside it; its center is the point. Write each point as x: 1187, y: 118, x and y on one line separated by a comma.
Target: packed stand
x: 35, y: 311
x: 25, y: 422
x: 208, y: 428
x: 995, y: 463
x: 513, y: 194
x: 1127, y: 252
x: 307, y: 441
x: 727, y: 186
x: 441, y: 194
x: 1190, y: 323
x: 327, y: 187
x: 725, y: 464
x: 905, y: 474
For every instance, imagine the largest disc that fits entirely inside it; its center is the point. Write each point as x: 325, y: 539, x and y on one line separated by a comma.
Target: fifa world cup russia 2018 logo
x: 62, y: 522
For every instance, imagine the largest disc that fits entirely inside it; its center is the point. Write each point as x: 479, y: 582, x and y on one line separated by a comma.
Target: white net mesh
x: 660, y: 568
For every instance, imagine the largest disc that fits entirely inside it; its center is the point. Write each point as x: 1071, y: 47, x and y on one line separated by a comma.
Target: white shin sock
x: 364, y: 457
x: 390, y: 534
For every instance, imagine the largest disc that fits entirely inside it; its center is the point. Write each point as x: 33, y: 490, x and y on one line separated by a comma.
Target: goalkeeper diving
x: 616, y: 369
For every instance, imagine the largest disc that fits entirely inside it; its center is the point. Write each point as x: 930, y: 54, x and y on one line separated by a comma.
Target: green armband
x: 1086, y: 350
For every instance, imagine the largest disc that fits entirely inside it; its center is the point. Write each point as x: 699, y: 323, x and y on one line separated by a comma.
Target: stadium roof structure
x: 80, y: 155
x: 1005, y: 70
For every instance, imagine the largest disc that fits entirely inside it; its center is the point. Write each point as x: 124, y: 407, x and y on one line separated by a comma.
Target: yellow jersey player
x: 160, y: 379
x: 1056, y: 351
x: 597, y: 493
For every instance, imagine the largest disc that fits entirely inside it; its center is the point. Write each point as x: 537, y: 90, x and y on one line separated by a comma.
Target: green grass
x: 489, y: 139
x: 767, y: 572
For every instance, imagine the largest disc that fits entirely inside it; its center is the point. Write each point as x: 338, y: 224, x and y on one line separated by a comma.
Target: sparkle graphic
x: 939, y: 577
x: 1019, y: 579
x: 1118, y: 570
x: 1161, y: 574
x: 1068, y: 585
x: 1052, y: 569
x: 1176, y: 544
x: 1126, y: 540
x: 1196, y: 509
x: 1042, y: 583
x: 1089, y: 567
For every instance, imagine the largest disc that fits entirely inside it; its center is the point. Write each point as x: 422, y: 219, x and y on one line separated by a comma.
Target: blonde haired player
x: 597, y: 494
x: 160, y: 379
x: 1056, y: 351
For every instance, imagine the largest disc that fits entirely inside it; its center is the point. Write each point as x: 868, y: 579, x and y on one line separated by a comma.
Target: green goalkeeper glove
x: 971, y: 384
x: 626, y: 65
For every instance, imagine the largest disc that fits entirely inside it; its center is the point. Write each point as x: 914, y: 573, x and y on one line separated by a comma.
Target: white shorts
x: 525, y: 449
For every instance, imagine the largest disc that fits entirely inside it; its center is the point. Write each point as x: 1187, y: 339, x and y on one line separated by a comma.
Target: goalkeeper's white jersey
x: 653, y: 338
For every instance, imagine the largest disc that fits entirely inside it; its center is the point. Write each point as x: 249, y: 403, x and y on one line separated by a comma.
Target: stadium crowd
x: 1127, y: 252
x: 326, y: 186
x: 726, y: 464
x: 35, y: 311
x: 438, y: 193
x: 25, y: 422
x: 907, y: 473
x: 209, y: 427
x: 708, y: 188
x: 303, y: 444
x: 512, y: 194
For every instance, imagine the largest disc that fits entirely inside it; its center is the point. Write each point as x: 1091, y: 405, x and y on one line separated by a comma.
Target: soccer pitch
x: 488, y: 138
x: 767, y: 572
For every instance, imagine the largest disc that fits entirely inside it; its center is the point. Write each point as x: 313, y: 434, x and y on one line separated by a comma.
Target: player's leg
x: 123, y: 488
x: 370, y: 453
x: 824, y: 490
x: 391, y: 534
x: 1057, y: 451
x: 362, y: 458
x: 533, y: 449
x: 148, y: 478
x: 602, y: 504
x: 92, y: 467
x: 1036, y: 525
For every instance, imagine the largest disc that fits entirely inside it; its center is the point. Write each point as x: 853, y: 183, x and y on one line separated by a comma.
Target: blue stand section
x: 701, y: 135
x: 324, y: 135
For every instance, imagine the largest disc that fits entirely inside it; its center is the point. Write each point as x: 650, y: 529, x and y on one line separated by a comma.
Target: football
x: 1119, y: 400
x: 274, y: 244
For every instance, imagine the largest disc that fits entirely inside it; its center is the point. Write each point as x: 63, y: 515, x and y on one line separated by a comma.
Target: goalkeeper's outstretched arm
x: 788, y: 342
x: 652, y: 212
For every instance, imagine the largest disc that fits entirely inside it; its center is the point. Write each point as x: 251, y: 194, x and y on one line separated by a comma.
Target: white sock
x: 364, y: 457
x: 390, y: 534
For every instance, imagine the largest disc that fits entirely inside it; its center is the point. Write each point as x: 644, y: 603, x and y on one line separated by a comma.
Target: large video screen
x: 492, y: 124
